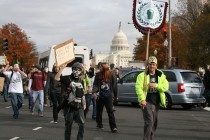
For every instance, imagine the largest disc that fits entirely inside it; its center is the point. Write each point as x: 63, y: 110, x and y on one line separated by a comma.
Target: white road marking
x: 15, y: 138
x: 37, y: 128
x: 8, y: 107
x: 207, y: 108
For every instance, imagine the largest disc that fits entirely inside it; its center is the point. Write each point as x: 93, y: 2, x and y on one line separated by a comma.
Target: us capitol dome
x: 119, y: 51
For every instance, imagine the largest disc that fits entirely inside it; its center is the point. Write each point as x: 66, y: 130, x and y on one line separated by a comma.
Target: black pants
x: 72, y: 115
x: 108, y: 103
x: 56, y: 100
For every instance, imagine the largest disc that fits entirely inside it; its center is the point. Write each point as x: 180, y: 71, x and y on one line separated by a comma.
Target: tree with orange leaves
x: 20, y: 49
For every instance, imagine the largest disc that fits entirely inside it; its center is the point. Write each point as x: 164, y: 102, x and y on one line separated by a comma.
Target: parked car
x: 185, y: 88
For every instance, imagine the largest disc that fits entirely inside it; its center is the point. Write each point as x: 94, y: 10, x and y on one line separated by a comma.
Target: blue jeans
x: 17, y: 101
x: 5, y: 92
x: 40, y: 95
x: 94, y: 109
x: 77, y: 116
x: 88, y: 102
x: 30, y: 100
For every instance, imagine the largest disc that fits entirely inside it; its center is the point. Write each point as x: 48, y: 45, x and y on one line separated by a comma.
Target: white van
x: 47, y: 58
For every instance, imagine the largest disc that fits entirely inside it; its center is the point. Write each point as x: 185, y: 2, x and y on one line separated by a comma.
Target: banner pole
x: 145, y: 64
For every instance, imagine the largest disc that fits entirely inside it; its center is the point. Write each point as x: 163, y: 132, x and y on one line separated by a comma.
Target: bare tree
x: 187, y: 14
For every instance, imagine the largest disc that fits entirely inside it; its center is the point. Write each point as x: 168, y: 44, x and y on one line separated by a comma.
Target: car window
x: 191, y: 77
x: 131, y: 77
x: 170, y: 76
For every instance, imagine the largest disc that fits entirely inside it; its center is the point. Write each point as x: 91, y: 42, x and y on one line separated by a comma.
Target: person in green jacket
x: 87, y: 89
x: 151, y: 86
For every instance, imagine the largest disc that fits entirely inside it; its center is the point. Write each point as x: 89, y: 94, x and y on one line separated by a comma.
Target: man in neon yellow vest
x: 150, y: 88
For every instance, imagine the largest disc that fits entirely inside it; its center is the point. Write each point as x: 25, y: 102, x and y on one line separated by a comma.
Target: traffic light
x: 165, y: 33
x: 4, y: 44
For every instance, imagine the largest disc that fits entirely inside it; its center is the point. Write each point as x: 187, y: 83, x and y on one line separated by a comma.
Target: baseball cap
x: 152, y: 59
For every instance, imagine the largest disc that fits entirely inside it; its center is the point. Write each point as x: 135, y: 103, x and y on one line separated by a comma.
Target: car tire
x: 168, y: 101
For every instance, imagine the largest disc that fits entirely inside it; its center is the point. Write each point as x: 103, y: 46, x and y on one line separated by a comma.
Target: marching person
x: 105, y: 83
x: 74, y: 100
x: 36, y: 86
x: 53, y: 89
x: 87, y: 89
x: 150, y: 88
x: 15, y: 87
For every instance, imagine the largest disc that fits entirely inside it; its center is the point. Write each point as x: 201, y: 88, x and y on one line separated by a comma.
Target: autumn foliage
x: 20, y: 49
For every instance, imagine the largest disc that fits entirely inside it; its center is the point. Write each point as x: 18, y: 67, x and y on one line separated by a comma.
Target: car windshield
x: 191, y: 77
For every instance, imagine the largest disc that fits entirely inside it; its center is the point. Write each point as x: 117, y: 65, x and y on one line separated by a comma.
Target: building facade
x: 119, y: 51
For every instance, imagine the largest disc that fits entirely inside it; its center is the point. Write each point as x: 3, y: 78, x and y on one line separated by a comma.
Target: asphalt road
x: 175, y: 124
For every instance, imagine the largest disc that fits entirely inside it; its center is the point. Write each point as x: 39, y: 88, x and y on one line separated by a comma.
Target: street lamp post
x: 169, y: 39
x: 165, y: 44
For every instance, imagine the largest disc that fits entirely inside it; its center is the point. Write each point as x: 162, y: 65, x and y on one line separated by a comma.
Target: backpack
x: 73, y: 96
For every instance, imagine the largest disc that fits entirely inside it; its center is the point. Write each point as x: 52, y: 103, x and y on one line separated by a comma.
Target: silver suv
x: 185, y: 88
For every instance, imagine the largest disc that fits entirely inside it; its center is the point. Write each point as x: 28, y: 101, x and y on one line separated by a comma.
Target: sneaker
x: 100, y: 126
x: 114, y: 130
x: 55, y: 122
x: 32, y: 113
x: 41, y: 114
x: 15, y: 116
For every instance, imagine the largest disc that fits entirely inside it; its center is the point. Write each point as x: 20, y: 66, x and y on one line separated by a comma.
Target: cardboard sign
x: 1, y: 83
x: 64, y: 52
x: 2, y: 60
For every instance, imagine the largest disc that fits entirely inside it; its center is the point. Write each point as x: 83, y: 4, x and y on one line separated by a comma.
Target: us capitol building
x: 119, y: 51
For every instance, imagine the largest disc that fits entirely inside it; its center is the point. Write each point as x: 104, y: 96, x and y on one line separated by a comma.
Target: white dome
x: 119, y: 42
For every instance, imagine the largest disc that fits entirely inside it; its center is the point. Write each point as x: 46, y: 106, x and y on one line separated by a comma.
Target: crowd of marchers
x: 71, y: 93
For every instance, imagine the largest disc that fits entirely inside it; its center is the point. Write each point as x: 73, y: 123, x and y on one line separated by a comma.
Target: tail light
x: 181, y: 87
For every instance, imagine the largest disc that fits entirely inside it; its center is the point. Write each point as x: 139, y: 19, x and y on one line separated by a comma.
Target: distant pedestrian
x: 15, y: 87
x: 150, y: 88
x: 6, y: 85
x: 117, y: 73
x: 207, y: 85
x: 36, y: 86
x: 53, y: 89
x: 87, y: 89
x: 45, y: 71
x: 30, y: 98
x: 91, y: 75
x: 106, y: 85
x: 74, y: 100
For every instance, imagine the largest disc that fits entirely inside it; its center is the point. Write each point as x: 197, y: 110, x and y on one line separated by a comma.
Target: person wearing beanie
x: 74, y: 100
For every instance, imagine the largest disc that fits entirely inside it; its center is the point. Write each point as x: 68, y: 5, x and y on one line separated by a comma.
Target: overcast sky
x: 91, y: 23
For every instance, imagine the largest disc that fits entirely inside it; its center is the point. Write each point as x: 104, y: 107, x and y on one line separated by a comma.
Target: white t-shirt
x: 16, y: 85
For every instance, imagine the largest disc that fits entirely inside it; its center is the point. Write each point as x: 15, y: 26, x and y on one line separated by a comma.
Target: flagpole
x: 145, y: 64
x: 147, y: 50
